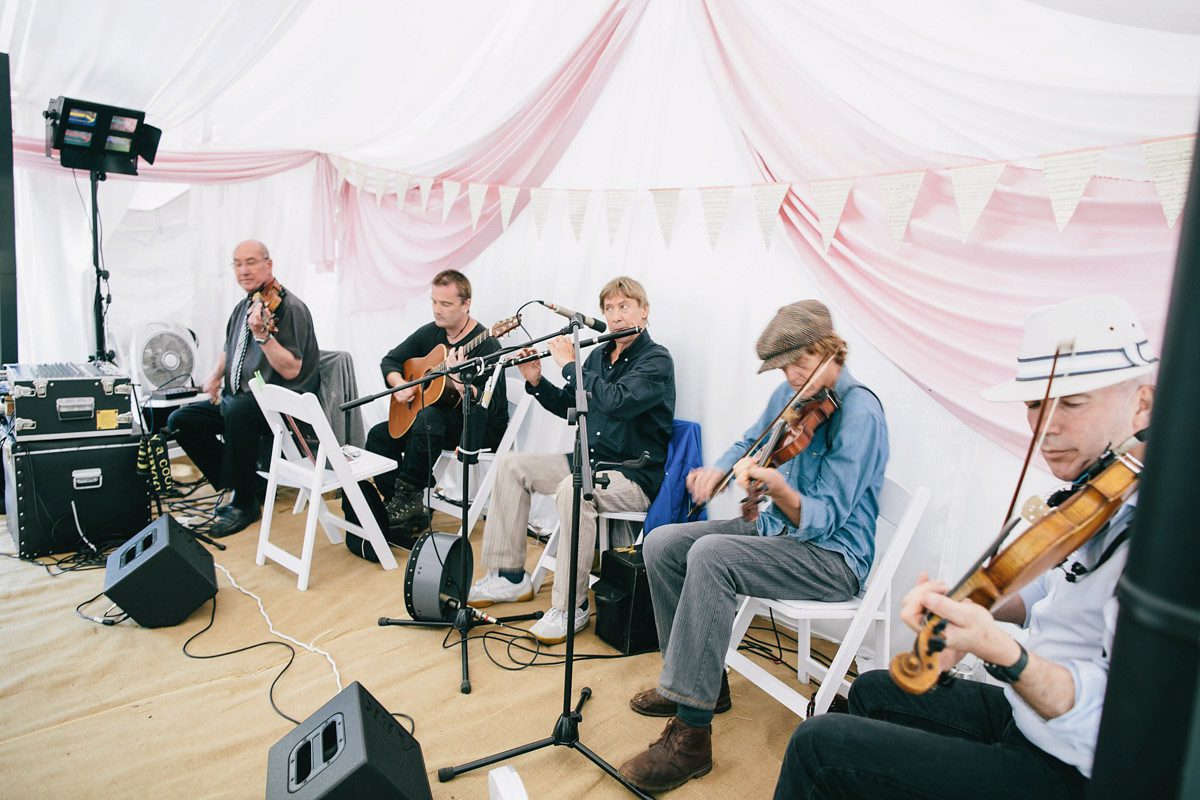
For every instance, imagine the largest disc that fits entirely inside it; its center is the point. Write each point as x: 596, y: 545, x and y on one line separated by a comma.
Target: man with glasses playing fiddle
x: 222, y: 434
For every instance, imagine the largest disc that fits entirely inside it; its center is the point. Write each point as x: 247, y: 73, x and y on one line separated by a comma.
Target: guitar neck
x: 471, y: 345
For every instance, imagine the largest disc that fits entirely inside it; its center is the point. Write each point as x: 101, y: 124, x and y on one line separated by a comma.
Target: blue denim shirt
x: 838, y: 475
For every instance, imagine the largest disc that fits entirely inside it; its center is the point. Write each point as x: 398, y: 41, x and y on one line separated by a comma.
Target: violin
x: 1099, y: 493
x: 269, y: 296
x: 776, y: 430
x: 792, y: 432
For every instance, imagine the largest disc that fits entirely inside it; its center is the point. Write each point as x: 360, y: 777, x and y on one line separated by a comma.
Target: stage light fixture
x: 100, y: 139
x: 97, y: 137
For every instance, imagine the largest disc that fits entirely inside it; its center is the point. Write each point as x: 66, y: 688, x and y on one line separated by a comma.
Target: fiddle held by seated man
x: 1035, y: 735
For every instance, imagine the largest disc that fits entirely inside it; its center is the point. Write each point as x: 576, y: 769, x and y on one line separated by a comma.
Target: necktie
x: 235, y: 374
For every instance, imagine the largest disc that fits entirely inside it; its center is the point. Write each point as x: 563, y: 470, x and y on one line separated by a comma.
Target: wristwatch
x: 1008, y: 674
x: 265, y: 338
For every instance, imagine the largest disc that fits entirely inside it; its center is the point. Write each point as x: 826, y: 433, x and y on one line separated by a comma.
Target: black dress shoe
x: 232, y: 521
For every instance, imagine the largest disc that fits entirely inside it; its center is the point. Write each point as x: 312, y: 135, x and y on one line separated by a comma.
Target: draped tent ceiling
x: 300, y: 121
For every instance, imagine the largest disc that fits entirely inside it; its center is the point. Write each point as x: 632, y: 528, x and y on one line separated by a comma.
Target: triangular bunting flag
x: 539, y: 199
x: 577, y: 203
x: 405, y: 181
x: 829, y: 201
x: 715, y: 200
x: 666, y: 201
x: 476, y: 194
x: 450, y: 191
x: 508, y: 198
x: 973, y: 187
x: 898, y: 190
x: 615, y: 201
x: 768, y: 197
x: 426, y: 185
x: 1170, y: 162
x: 1067, y: 176
x: 376, y: 184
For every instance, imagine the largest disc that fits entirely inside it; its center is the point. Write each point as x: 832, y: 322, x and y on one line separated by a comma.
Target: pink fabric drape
x: 224, y: 167
x: 947, y: 313
x: 391, y: 254
x: 176, y: 167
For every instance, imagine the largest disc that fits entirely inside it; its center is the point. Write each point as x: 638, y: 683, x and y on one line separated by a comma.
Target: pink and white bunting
x: 1067, y: 176
x: 1170, y: 162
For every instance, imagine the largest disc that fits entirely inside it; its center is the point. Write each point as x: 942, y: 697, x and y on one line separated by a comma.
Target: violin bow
x: 1035, y: 443
x: 720, y: 487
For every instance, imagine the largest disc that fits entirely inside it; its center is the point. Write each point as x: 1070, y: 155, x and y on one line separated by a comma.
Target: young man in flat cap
x: 1035, y: 735
x: 814, y: 540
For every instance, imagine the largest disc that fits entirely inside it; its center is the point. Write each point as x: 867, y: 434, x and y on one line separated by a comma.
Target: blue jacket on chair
x: 684, y: 454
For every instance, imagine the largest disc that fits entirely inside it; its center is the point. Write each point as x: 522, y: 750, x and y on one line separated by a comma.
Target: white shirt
x: 1072, y: 624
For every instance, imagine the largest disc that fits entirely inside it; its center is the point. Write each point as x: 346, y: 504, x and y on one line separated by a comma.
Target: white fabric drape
x: 413, y: 87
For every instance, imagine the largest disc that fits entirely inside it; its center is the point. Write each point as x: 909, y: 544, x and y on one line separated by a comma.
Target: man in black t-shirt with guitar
x: 423, y: 420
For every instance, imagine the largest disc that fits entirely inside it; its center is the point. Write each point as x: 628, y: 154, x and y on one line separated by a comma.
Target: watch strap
x: 1008, y: 674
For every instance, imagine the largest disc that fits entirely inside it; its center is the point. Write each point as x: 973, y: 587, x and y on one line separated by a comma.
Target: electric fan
x: 162, y: 358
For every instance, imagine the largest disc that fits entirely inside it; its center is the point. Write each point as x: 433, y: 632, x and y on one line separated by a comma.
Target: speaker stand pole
x: 566, y: 729
x: 465, y: 617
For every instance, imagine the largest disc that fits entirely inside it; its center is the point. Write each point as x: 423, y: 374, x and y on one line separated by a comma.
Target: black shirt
x: 295, y: 332
x: 429, y: 336
x: 631, y: 405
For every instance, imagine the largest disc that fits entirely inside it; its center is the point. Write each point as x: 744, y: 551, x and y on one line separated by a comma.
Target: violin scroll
x: 269, y: 297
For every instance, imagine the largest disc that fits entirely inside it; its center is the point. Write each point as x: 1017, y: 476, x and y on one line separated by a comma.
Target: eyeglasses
x: 249, y: 262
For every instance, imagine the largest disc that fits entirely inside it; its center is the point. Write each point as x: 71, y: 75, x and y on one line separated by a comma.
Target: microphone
x: 490, y: 387
x: 594, y: 324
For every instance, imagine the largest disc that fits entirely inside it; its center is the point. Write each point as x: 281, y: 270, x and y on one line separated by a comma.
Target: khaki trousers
x: 519, y: 475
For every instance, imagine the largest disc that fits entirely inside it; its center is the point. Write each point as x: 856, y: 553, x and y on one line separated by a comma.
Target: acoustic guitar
x: 401, y: 415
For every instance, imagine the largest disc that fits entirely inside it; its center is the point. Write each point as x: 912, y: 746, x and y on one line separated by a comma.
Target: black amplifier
x: 53, y: 490
x: 624, y: 611
x: 66, y: 401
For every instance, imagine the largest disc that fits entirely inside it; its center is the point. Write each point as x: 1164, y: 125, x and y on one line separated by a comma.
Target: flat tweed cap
x: 796, y: 327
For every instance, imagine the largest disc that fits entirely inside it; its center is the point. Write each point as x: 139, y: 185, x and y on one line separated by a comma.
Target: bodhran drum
x: 432, y: 576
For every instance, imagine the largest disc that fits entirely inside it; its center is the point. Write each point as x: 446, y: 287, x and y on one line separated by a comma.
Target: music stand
x: 465, y: 617
x: 566, y: 729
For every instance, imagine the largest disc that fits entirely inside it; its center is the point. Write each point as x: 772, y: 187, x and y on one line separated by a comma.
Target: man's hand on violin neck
x: 970, y: 628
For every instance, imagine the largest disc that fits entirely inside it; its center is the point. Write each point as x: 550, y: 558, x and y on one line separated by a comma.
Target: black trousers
x: 954, y: 742
x: 435, y: 429
x: 228, y: 464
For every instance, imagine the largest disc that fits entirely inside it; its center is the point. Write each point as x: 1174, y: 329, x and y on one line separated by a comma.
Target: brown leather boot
x: 650, y: 703
x: 680, y: 754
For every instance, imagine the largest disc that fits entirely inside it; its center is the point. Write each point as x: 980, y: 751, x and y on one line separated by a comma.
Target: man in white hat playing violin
x: 1034, y: 735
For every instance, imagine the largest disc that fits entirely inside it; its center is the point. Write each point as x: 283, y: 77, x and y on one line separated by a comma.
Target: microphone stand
x: 566, y: 729
x: 464, y: 617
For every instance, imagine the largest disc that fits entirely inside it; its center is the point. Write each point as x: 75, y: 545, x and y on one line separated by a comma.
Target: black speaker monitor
x: 160, y: 575
x: 351, y: 748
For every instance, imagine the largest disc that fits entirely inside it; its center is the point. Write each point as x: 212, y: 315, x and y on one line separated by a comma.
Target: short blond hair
x: 626, y: 287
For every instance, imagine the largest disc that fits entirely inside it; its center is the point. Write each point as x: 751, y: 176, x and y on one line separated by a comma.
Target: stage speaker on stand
x: 351, y: 748
x: 161, y: 575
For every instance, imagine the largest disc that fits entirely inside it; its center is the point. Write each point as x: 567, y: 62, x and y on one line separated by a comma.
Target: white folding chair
x: 548, y: 561
x: 443, y: 499
x: 681, y: 431
x: 899, y: 514
x: 331, y: 467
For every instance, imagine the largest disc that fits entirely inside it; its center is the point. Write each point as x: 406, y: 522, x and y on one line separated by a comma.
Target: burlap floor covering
x: 91, y: 711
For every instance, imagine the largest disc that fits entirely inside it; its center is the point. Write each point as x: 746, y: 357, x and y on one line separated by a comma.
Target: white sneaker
x: 552, y: 627
x: 494, y: 588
